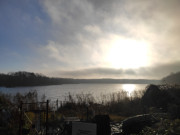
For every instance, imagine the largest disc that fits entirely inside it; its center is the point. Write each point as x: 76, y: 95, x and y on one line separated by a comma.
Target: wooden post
x: 47, y: 107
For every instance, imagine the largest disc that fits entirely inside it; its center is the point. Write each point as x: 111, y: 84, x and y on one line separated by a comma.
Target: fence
x: 38, y: 124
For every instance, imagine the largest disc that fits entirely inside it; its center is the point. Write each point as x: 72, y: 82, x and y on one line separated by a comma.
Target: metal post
x: 57, y: 103
x: 20, y: 119
x: 61, y: 104
x: 87, y: 113
x: 40, y: 120
x: 47, y: 107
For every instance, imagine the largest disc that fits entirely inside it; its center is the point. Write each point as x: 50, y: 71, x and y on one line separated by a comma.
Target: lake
x: 54, y: 92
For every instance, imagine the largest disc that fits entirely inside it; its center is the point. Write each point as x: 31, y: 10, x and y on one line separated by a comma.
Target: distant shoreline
x: 96, y: 81
x: 25, y: 79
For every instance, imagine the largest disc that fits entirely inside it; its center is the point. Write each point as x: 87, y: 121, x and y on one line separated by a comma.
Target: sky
x: 90, y: 38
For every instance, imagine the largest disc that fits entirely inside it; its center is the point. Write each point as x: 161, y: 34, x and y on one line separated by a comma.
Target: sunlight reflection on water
x: 54, y: 92
x: 129, y: 88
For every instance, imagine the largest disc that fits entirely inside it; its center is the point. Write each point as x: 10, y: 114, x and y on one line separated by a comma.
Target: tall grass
x: 153, y: 99
x: 118, y: 103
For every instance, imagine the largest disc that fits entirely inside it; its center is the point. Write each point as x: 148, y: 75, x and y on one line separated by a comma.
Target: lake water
x: 54, y: 92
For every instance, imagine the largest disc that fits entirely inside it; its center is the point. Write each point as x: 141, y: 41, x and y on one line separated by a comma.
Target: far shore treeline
x: 23, y: 78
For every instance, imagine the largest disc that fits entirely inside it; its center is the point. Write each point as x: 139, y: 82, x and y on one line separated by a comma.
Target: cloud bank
x: 84, y: 31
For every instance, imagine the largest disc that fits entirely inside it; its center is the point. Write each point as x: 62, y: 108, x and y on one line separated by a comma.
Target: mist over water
x: 60, y: 92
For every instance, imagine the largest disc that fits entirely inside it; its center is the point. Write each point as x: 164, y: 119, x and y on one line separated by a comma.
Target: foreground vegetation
x: 155, y: 99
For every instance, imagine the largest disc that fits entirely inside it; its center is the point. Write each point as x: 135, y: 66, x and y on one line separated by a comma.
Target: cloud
x: 156, y: 72
x: 160, y: 70
x: 91, y: 73
x: 75, y: 56
x: 83, y: 33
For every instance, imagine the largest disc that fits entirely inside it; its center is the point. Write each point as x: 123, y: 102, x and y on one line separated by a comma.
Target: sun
x: 127, y: 53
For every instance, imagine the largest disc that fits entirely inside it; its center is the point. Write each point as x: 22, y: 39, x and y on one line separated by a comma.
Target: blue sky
x: 21, y: 30
x: 90, y: 38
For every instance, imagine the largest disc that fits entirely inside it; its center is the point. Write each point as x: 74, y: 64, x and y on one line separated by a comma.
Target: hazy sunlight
x: 125, y: 53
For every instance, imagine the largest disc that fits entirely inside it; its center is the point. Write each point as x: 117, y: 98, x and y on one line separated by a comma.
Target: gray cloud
x: 161, y: 70
x: 155, y: 72
x: 91, y: 73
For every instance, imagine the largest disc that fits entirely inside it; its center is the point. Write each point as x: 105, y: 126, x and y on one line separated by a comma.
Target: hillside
x: 173, y: 78
x: 23, y: 78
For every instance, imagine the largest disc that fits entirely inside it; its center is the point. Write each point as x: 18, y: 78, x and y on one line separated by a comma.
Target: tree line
x: 22, y: 78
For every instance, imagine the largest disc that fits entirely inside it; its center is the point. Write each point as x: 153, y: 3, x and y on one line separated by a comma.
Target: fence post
x: 47, y: 107
x: 57, y: 104
x: 20, y: 119
x: 87, y: 115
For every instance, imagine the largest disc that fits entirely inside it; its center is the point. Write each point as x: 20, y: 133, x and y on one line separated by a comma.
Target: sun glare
x: 127, y: 54
x: 129, y: 88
